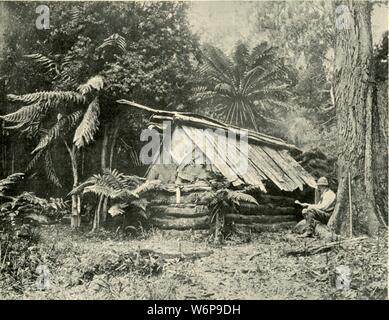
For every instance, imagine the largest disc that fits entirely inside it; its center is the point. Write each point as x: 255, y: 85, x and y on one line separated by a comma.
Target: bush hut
x: 272, y: 175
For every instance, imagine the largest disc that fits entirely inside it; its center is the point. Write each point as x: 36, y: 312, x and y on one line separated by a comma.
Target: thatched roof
x: 269, y: 157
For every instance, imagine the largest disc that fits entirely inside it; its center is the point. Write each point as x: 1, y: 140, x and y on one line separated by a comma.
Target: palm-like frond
x: 50, y: 171
x: 148, y: 186
x: 24, y: 114
x: 115, y: 40
x: 89, y: 125
x: 49, y: 97
x: 94, y: 83
x: 238, y: 88
x: 61, y: 127
x: 35, y: 159
x: 236, y: 197
x: 44, y: 62
x: 111, y: 184
x: 6, y: 183
x: 77, y: 15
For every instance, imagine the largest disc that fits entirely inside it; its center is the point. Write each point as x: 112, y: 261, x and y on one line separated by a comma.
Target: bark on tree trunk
x: 354, y: 103
x: 104, y: 148
x: 380, y: 149
x: 75, y: 221
x: 113, y: 143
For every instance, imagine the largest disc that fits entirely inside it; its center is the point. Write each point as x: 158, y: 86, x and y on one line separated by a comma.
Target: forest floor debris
x: 106, y: 266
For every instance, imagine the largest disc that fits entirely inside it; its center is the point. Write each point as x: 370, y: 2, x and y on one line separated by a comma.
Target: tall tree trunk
x: 113, y: 143
x: 380, y: 150
x: 104, y: 149
x: 354, y: 103
x: 75, y: 221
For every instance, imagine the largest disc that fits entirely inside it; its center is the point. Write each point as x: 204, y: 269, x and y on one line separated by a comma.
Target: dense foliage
x: 145, y: 55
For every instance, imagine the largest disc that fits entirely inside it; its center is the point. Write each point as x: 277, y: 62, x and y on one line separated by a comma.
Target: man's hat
x: 322, y: 181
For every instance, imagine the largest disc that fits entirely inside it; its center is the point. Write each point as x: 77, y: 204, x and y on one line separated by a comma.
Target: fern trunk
x: 75, y: 221
x: 219, y: 227
x: 104, y: 149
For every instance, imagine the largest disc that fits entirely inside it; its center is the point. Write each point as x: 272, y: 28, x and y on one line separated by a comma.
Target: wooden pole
x: 350, y: 205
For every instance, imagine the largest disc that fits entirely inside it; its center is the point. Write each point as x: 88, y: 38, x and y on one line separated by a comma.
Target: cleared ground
x: 103, y: 266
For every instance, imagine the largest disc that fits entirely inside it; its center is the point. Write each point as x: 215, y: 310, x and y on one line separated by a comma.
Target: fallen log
x: 247, y: 219
x: 176, y: 255
x: 181, y: 223
x: 311, y: 250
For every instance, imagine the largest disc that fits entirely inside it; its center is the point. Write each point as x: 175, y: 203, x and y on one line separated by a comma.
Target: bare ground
x: 97, y: 266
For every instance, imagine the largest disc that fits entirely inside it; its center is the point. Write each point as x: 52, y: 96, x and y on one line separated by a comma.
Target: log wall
x: 272, y: 214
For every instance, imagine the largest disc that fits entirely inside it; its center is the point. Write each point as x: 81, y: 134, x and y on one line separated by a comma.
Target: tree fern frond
x: 132, y: 181
x: 115, y: 40
x: 94, y: 83
x: 61, y: 127
x: 237, y: 197
x: 24, y: 114
x: 89, y: 125
x: 219, y: 62
x: 77, y: 15
x: 148, y: 186
x: 6, y: 183
x: 111, y: 184
x: 45, y: 62
x: 48, y: 96
x: 15, y: 127
x: 50, y: 171
x: 34, y: 160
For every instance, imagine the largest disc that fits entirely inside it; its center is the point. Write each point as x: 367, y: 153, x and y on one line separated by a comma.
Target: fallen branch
x: 311, y: 250
x: 179, y: 255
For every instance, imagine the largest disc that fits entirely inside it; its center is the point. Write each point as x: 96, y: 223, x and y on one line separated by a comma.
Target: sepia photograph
x: 194, y: 150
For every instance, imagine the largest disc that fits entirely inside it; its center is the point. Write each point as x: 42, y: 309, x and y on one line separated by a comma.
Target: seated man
x: 320, y: 212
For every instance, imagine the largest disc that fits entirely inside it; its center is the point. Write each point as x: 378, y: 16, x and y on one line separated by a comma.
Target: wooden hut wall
x: 273, y: 212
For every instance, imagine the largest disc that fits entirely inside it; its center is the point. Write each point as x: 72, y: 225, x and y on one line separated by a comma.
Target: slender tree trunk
x: 354, y: 103
x: 75, y: 221
x: 113, y: 143
x: 104, y: 149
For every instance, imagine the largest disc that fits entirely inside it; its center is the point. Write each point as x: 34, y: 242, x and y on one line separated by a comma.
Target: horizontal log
x: 279, y: 200
x: 176, y: 255
x: 258, y: 227
x: 189, y: 198
x: 181, y: 223
x: 240, y: 218
x: 179, y: 211
x: 266, y: 210
x: 187, y: 188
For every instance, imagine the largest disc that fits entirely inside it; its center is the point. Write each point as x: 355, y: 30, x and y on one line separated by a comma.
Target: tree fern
x: 115, y: 40
x: 77, y: 15
x: 35, y: 159
x: 44, y: 62
x: 89, y: 125
x: 23, y: 115
x: 94, y: 83
x: 6, y: 183
x: 237, y: 197
x: 113, y: 185
x: 60, y: 128
x: 50, y: 171
x: 49, y: 97
x: 245, y: 90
